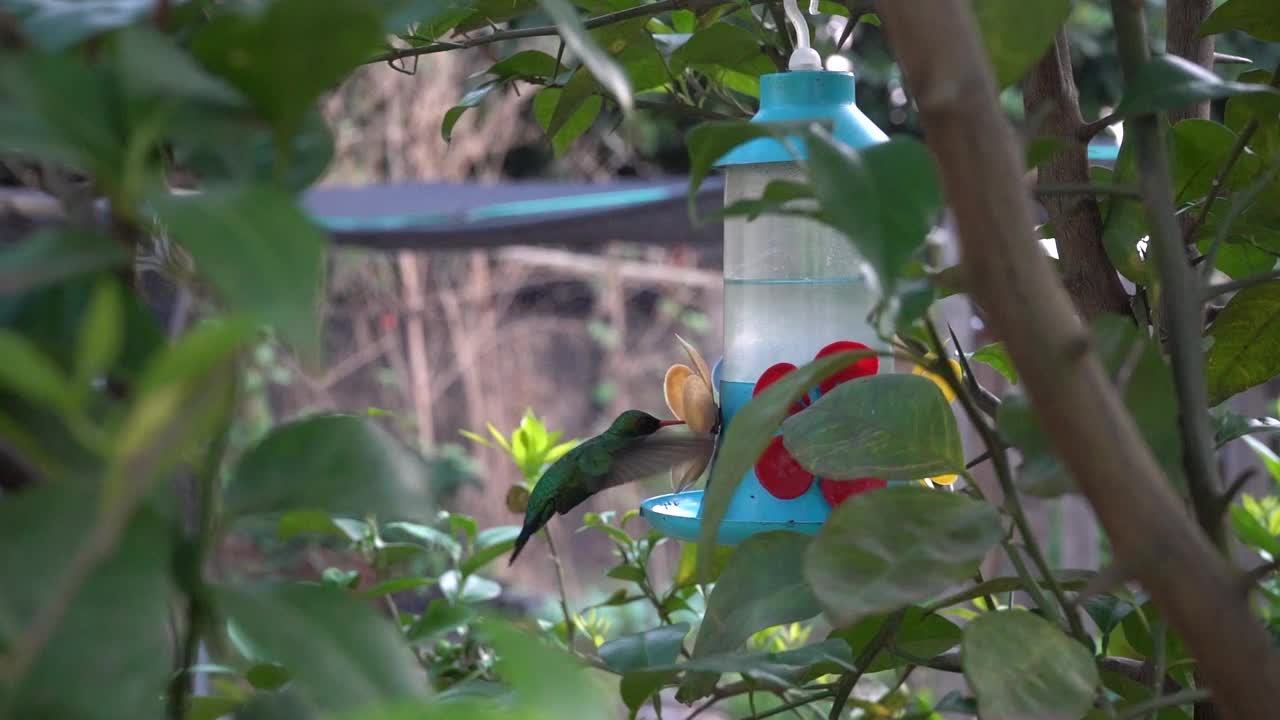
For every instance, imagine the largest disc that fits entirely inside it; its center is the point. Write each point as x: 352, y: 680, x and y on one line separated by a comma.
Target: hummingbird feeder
x: 794, y: 290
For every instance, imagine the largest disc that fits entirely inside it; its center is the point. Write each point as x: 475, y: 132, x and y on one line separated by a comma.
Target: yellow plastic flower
x: 950, y: 395
x: 690, y: 398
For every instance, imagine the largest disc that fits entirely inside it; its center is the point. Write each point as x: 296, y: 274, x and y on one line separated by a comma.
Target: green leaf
x: 709, y: 142
x: 775, y: 198
x: 687, y: 569
x: 53, y: 254
x: 268, y: 676
x: 786, y: 669
x: 468, y: 101
x: 29, y: 373
x: 573, y: 125
x: 1021, y: 666
x: 439, y: 618
x: 883, y: 550
x: 743, y: 440
x: 997, y: 357
x: 545, y: 680
x: 644, y: 650
x: 255, y: 245
x: 1125, y: 220
x: 1259, y: 18
x: 631, y: 45
x: 491, y: 544
x: 427, y: 535
x: 629, y: 573
x: 723, y: 45
x: 1017, y: 34
x: 1246, y: 342
x: 893, y: 427
x: 1251, y: 531
x: 283, y: 57
x: 576, y: 39
x: 1168, y: 82
x: 525, y: 64
x: 152, y: 66
x: 469, y: 588
x: 56, y: 26
x: 1200, y: 151
x: 111, y: 605
x: 210, y: 707
x: 920, y: 634
x: 101, y: 332
x: 342, y: 656
x: 398, y: 585
x: 762, y: 585
x: 861, y: 196
x: 339, y: 464
x: 1268, y: 457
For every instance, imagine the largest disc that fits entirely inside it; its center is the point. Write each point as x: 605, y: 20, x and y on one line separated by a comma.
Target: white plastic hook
x: 803, y: 57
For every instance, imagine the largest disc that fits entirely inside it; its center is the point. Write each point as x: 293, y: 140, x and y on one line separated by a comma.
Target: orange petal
x: 699, y: 365
x: 673, y: 388
x: 699, y: 407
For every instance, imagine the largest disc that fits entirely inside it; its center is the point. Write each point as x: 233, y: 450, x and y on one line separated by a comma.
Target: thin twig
x: 598, y: 21
x: 1214, y: 291
x: 1090, y: 130
x: 845, y: 687
x: 1185, y: 697
x: 564, y: 595
x: 1160, y: 663
x: 1258, y: 574
x: 789, y: 706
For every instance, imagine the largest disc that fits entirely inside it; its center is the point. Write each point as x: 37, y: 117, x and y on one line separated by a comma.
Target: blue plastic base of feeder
x: 677, y: 515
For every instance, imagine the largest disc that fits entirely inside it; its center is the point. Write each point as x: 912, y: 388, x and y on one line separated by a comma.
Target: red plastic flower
x: 778, y: 472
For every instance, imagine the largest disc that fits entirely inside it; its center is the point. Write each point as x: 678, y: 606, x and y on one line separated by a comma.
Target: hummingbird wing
x: 650, y: 455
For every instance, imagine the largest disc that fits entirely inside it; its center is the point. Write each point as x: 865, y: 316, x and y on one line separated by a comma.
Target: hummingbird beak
x: 669, y: 423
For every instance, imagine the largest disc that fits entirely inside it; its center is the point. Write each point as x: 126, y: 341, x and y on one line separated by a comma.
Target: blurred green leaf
x: 708, y: 142
x: 52, y: 254
x: 1167, y: 82
x: 643, y: 650
x: 860, y: 196
x: 546, y: 110
x: 427, y: 535
x: 267, y: 676
x: 340, y: 464
x: 629, y: 573
x: 1268, y: 457
x: 1124, y: 219
x: 1259, y: 18
x: 997, y: 357
x: 210, y: 707
x: 1246, y: 342
x: 56, y: 26
x: 920, y: 634
x: 473, y: 98
x: 341, y: 655
x: 722, y: 45
x: 1052, y: 678
x: 785, y: 669
x: 525, y: 64
x: 545, y: 680
x: 468, y: 588
x: 100, y: 590
x: 883, y: 550
x: 687, y: 569
x: 398, y: 585
x: 255, y: 245
x: 30, y: 374
x: 101, y: 332
x: 611, y: 77
x: 490, y: 544
x: 152, y: 66
x: 1017, y: 34
x: 440, y: 617
x: 762, y: 585
x: 284, y: 56
x: 742, y: 441
x: 893, y: 427
x: 1252, y: 532
x: 1200, y: 151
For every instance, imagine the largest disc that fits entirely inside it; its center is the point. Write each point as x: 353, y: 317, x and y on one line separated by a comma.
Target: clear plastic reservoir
x: 792, y: 286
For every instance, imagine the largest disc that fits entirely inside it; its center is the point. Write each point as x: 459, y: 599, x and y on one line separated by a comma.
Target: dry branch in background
x: 1050, y: 92
x: 943, y: 61
x: 1183, y: 18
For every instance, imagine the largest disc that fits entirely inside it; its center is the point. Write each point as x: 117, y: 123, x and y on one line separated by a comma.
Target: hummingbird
x: 632, y: 448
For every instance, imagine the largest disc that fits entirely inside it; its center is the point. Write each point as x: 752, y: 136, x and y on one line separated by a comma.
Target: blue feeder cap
x: 805, y: 95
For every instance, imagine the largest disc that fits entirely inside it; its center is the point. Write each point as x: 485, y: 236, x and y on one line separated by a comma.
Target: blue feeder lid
x: 805, y: 95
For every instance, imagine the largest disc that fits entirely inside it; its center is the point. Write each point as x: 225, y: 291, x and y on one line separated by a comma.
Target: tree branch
x: 1214, y: 291
x: 612, y: 18
x: 1182, y: 27
x: 1179, y: 289
x: 943, y: 61
x: 1050, y: 91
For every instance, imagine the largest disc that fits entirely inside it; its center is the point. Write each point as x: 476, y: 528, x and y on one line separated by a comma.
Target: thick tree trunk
x: 1183, y: 18
x: 942, y: 59
x: 1050, y: 92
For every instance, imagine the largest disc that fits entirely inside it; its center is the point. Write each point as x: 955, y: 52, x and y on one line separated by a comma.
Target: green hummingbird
x: 631, y: 449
